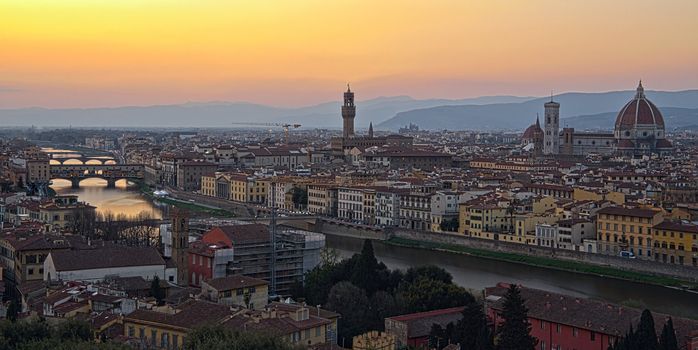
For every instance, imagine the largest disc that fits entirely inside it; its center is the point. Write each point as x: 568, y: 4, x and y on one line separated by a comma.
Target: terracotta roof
x: 193, y: 313
x: 634, y: 212
x: 71, y: 260
x: 639, y: 111
x: 235, y: 282
x: 677, y: 226
x: 419, y: 324
x: 250, y: 233
x: 590, y: 314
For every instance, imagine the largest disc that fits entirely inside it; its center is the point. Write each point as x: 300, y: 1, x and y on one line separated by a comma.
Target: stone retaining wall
x: 637, y: 265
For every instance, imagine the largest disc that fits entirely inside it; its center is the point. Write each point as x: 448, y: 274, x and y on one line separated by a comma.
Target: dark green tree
x: 440, y: 337
x: 667, y: 340
x: 471, y: 330
x: 73, y: 330
x: 13, y: 310
x: 351, y: 302
x: 646, y: 334
x: 381, y: 305
x: 450, y: 225
x: 299, y: 197
x: 429, y: 271
x: 515, y: 332
x: 156, y: 290
x: 485, y: 341
x: 221, y: 338
x: 426, y: 294
x: 366, y: 270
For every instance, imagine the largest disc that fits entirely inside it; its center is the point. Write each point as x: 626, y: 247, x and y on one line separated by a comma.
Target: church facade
x: 639, y: 130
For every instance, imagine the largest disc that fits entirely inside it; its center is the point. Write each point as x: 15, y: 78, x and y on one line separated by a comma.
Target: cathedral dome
x: 639, y: 112
x: 532, y: 130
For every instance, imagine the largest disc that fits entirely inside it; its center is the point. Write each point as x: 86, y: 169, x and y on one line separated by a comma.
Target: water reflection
x: 124, y: 199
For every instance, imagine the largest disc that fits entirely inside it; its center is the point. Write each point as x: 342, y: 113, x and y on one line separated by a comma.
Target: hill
x: 222, y: 114
x: 593, y: 109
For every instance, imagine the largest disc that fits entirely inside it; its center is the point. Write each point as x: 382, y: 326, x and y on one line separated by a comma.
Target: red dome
x: 639, y: 111
x: 532, y: 130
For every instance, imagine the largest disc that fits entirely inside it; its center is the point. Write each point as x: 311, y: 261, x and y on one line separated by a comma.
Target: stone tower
x: 552, y: 127
x: 370, y: 130
x: 348, y: 114
x: 538, y: 139
x: 180, y: 245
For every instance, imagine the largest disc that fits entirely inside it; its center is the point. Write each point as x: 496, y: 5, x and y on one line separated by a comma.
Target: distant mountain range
x: 674, y: 118
x: 223, y: 114
x: 579, y: 110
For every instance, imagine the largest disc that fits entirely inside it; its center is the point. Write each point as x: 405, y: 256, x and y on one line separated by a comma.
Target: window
x: 131, y: 331
x: 593, y: 336
x: 154, y: 337
x: 175, y: 341
x: 542, y: 324
x: 542, y: 345
x: 559, y: 328
x: 575, y: 331
x: 307, y: 333
x: 141, y: 333
x: 318, y: 331
x: 165, y: 340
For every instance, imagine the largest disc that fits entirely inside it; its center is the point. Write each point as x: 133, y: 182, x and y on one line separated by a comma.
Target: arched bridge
x: 61, y: 158
x: 109, y: 172
x: 85, y: 160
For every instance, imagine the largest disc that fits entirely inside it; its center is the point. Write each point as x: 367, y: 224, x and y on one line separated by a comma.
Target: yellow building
x: 374, y: 340
x: 208, y: 185
x: 237, y: 290
x: 64, y: 211
x: 168, y: 330
x: 627, y: 230
x: 543, y: 204
x: 484, y: 220
x: 586, y: 195
x: 676, y: 242
x: 237, y: 187
x: 525, y: 227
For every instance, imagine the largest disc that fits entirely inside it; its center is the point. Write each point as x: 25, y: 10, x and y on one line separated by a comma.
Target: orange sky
x: 83, y: 53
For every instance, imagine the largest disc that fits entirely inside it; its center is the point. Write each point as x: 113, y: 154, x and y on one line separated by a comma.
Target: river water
x: 477, y: 273
x: 470, y: 272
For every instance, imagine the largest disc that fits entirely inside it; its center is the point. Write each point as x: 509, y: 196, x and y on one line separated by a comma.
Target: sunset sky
x: 86, y: 53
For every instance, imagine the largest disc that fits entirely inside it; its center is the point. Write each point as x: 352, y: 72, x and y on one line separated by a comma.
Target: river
x: 477, y: 273
x: 470, y: 272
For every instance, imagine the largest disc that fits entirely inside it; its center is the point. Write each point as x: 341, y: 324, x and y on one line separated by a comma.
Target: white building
x: 93, y: 265
x: 388, y: 207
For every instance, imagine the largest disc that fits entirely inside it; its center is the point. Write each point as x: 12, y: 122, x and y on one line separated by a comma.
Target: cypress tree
x: 668, y: 340
x: 13, y: 310
x: 515, y: 333
x: 646, y: 334
x: 470, y: 327
x: 364, y: 274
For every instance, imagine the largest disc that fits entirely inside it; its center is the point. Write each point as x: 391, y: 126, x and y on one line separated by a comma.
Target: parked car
x: 626, y: 254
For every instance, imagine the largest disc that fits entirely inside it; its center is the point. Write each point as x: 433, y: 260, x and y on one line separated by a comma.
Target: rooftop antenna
x: 551, y: 95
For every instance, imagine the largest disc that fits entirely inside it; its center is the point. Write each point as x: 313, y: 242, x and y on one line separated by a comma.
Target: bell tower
x: 180, y: 245
x: 348, y: 114
x: 552, y: 127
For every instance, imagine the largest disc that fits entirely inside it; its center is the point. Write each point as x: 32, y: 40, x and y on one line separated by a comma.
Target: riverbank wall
x: 636, y: 265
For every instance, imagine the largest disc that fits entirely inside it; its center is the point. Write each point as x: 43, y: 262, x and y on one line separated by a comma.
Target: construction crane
x: 286, y: 126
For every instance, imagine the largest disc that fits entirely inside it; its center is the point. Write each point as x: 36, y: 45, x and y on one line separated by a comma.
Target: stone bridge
x: 61, y: 158
x: 109, y: 172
